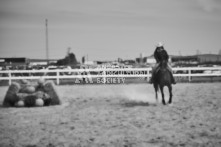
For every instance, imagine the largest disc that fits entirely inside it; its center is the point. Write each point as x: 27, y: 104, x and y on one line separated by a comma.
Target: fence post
x: 58, y: 77
x: 148, y: 77
x: 189, y: 72
x: 10, y: 76
x: 104, y: 76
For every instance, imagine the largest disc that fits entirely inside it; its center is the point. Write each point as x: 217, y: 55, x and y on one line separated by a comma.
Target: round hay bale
x: 40, y: 85
x: 28, y: 89
x: 10, y: 97
x: 30, y: 100
x: 20, y: 103
x: 51, y: 90
x: 41, y: 81
x: 39, y: 102
x: 24, y: 83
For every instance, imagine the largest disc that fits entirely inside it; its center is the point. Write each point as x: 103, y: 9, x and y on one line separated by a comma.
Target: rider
x: 159, y: 54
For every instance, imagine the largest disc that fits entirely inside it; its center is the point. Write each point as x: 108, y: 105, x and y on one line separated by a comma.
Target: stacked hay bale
x: 10, y: 97
x: 24, y: 93
x: 51, y: 90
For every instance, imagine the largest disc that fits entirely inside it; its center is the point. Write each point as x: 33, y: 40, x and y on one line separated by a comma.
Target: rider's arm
x: 156, y: 56
x: 165, y: 54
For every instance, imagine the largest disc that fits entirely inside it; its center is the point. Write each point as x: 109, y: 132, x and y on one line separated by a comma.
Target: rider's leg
x: 171, y: 73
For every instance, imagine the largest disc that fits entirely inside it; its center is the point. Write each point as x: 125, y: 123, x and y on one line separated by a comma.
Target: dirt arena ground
x: 117, y: 115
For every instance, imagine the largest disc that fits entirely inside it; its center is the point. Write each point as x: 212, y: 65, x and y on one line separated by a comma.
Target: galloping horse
x: 163, y: 78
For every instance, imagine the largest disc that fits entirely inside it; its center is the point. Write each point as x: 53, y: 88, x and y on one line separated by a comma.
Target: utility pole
x: 46, y: 43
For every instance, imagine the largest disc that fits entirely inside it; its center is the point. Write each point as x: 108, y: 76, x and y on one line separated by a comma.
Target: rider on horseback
x: 160, y: 54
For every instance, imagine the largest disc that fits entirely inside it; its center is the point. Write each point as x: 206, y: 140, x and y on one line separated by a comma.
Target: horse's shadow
x: 137, y: 104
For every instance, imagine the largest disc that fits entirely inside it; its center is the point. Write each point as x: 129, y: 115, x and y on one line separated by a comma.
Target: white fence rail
x: 104, y: 73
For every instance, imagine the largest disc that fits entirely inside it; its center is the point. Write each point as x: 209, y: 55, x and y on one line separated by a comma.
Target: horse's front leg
x: 156, y: 90
x: 162, y: 93
x: 156, y: 95
x: 171, y: 94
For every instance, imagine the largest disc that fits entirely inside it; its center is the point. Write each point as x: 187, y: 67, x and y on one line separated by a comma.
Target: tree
x: 70, y: 59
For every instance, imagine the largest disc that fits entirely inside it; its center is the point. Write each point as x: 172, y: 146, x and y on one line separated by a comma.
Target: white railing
x: 104, y: 73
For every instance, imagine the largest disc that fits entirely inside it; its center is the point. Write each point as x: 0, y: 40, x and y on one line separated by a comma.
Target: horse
x: 163, y: 78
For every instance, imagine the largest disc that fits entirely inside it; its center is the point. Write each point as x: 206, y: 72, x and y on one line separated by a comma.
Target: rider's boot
x: 173, y: 80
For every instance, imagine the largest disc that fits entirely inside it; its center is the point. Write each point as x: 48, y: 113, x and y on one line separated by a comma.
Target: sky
x: 108, y: 29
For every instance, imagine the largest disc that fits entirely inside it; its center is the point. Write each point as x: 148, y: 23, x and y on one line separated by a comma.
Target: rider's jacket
x: 160, y: 54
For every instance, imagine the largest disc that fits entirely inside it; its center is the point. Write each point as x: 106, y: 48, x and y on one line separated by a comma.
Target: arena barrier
x: 104, y: 73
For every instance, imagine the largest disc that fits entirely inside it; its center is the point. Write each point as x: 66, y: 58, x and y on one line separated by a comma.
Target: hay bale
x: 41, y: 81
x: 25, y: 82
x: 47, y: 99
x: 44, y: 96
x: 40, y: 88
x: 30, y: 89
x: 10, y: 97
x: 40, y: 84
x: 20, y: 103
x: 51, y: 90
x: 30, y: 100
x: 27, y: 89
x: 39, y: 102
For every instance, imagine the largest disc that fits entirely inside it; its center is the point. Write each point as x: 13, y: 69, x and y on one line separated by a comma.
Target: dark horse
x: 163, y: 78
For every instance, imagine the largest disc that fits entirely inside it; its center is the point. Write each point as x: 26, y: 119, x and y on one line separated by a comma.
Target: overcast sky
x: 108, y: 29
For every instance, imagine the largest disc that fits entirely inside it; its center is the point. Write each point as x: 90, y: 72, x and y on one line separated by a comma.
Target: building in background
x: 24, y: 63
x: 41, y: 62
x: 209, y: 58
x: 14, y: 62
x: 196, y: 60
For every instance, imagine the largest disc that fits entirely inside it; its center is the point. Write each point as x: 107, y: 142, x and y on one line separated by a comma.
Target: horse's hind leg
x: 156, y: 89
x: 171, y: 94
x: 162, y: 93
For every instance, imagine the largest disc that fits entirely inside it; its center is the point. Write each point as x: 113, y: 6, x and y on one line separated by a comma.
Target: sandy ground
x: 117, y: 115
